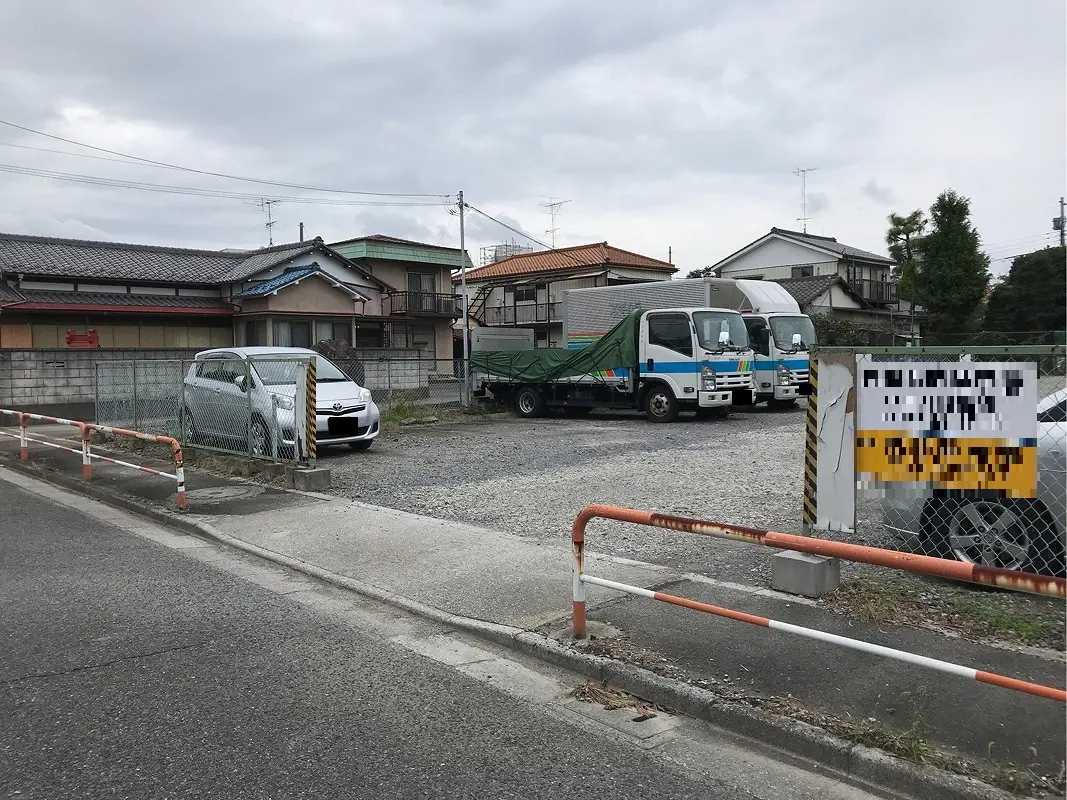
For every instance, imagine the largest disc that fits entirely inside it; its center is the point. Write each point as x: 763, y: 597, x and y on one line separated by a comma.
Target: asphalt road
x: 128, y: 670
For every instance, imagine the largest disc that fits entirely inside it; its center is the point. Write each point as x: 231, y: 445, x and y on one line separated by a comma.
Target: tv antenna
x: 803, y: 175
x: 552, y: 208
x: 265, y: 205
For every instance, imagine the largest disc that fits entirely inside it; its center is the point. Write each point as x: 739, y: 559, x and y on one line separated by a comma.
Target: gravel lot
x: 532, y: 477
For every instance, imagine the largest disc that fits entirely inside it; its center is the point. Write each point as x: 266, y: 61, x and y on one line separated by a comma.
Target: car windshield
x: 283, y: 371
x: 783, y: 328
x: 711, y: 324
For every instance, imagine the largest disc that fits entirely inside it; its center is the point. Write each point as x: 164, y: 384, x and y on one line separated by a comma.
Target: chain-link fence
x: 256, y: 408
x: 959, y: 452
x: 410, y: 386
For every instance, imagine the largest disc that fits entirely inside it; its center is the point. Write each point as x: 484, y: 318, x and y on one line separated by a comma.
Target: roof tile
x: 568, y: 258
x: 831, y: 244
x: 76, y: 258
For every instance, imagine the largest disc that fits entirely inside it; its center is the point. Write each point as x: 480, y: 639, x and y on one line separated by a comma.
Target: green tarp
x: 616, y: 348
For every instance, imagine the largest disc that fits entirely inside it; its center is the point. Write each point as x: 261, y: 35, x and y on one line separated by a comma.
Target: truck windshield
x: 711, y: 324
x: 783, y: 328
x: 284, y: 373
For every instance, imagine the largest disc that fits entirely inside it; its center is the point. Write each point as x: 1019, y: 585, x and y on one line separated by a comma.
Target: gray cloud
x: 879, y: 194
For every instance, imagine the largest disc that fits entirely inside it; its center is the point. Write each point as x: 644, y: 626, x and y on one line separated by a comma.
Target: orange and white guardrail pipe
x: 990, y: 576
x: 88, y: 455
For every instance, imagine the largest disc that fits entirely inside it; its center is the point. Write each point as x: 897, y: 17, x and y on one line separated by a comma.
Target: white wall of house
x: 835, y: 298
x: 778, y: 253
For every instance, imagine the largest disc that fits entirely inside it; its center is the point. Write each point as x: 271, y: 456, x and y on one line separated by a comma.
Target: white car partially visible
x: 997, y: 532
x: 246, y: 397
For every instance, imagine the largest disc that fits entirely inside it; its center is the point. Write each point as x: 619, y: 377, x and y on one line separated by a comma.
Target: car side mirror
x: 724, y: 337
x: 239, y: 382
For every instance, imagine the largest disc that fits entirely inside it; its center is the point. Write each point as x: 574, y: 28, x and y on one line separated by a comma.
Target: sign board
x: 948, y: 425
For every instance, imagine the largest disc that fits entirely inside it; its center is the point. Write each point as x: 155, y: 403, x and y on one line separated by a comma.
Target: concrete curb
x: 867, y: 766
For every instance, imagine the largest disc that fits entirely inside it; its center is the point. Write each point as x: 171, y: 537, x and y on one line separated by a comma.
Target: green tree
x: 903, y: 237
x: 952, y: 274
x: 703, y: 272
x: 834, y: 330
x: 1031, y: 297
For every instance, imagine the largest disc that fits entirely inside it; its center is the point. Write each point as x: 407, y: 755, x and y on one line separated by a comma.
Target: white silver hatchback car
x: 245, y: 396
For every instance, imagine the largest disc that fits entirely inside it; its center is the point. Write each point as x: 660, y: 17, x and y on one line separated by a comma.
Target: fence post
x: 389, y: 381
x: 577, y: 567
x: 312, y: 411
x: 135, y: 426
x: 179, y: 474
x: 811, y: 446
x: 87, y: 460
x: 24, y: 445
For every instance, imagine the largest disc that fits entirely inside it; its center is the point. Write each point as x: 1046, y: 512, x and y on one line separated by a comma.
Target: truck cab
x: 701, y: 355
x: 780, y: 341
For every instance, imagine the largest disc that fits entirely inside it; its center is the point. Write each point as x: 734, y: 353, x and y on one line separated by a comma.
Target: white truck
x: 661, y: 362
x: 779, y: 334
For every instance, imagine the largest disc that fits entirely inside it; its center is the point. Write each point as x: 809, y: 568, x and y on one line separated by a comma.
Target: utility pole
x: 1060, y: 224
x: 803, y: 175
x: 466, y: 316
x: 553, y: 207
x: 301, y: 231
x: 265, y: 205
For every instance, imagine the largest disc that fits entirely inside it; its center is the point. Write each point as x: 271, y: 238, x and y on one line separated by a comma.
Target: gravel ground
x: 532, y: 477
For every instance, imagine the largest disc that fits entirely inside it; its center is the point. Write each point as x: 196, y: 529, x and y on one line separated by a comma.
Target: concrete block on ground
x: 805, y: 574
x: 273, y: 469
x: 311, y: 480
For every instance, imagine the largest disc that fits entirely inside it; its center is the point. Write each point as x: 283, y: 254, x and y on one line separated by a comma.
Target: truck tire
x: 660, y: 404
x: 529, y: 403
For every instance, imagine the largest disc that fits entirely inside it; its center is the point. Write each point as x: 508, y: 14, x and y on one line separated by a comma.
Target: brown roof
x: 581, y: 256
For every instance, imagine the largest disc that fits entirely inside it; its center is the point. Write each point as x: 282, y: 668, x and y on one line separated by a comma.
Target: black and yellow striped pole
x: 811, y: 448
x: 312, y: 412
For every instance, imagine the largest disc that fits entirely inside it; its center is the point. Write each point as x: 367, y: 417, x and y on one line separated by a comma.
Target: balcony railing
x: 443, y: 305
x: 875, y: 291
x: 528, y: 314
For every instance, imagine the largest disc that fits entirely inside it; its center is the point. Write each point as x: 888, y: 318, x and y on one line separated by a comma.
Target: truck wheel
x: 661, y: 405
x: 529, y: 403
x: 781, y: 405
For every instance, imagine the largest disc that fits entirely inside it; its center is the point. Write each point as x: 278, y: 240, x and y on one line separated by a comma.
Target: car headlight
x: 364, y: 395
x: 785, y: 377
x: 284, y: 401
x: 707, y: 378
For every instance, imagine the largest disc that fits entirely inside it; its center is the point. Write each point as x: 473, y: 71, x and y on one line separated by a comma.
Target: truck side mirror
x: 798, y: 341
x: 724, y: 337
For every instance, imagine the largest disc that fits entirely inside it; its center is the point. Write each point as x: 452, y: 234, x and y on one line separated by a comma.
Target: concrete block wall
x: 51, y: 380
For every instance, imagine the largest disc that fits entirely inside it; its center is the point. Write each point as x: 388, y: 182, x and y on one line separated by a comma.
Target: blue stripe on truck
x: 790, y: 363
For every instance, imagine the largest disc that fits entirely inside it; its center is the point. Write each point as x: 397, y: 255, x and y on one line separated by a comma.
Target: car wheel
x: 1010, y: 534
x: 661, y: 404
x: 365, y: 445
x: 529, y: 403
x: 259, y: 439
x: 189, y: 429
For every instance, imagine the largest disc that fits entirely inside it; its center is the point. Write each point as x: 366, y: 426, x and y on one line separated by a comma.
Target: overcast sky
x: 675, y: 123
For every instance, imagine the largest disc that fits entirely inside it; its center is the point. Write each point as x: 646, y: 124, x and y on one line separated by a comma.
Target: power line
x: 213, y: 174
x: 565, y: 253
x: 193, y: 191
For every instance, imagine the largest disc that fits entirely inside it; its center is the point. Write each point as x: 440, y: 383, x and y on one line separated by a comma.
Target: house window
x: 292, y: 333
x: 526, y: 294
x: 370, y: 334
x: 339, y: 331
x: 255, y: 333
x: 421, y: 282
x: 805, y: 271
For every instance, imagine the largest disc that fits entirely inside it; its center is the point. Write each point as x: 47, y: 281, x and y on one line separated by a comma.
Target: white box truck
x: 779, y: 334
x: 661, y: 362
